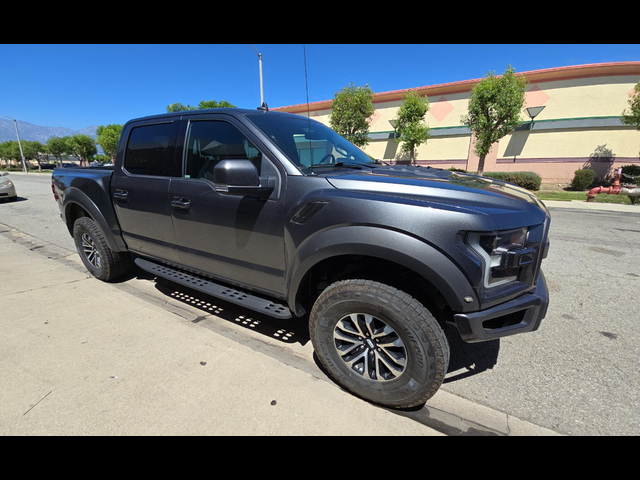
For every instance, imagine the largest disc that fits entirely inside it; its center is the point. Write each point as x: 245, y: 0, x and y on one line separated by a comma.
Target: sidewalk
x: 584, y: 205
x: 82, y: 357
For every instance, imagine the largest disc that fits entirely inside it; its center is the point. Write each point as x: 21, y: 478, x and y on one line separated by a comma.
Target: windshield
x: 308, y: 143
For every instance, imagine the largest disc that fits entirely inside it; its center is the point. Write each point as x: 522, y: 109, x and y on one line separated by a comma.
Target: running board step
x: 216, y: 290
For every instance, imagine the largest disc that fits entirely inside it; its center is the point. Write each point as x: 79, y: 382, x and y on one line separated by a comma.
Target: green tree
x: 632, y: 115
x: 32, y: 151
x: 108, y: 138
x: 58, y: 146
x: 10, y: 151
x: 179, y: 107
x: 7, y: 152
x: 411, y: 128
x: 350, y: 112
x: 214, y: 104
x: 83, y: 147
x: 494, y: 110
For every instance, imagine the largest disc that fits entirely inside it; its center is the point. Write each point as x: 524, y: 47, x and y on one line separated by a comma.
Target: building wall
x: 579, y: 126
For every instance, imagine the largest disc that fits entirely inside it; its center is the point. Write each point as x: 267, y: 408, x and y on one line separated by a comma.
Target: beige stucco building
x: 578, y: 127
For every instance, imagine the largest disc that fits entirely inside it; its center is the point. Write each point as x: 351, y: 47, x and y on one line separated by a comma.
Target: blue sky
x: 80, y: 85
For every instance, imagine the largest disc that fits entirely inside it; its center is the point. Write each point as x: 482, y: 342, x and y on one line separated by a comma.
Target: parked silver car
x: 7, y: 189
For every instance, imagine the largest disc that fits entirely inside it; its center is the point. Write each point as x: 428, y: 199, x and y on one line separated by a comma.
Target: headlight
x: 502, y: 254
x: 6, y: 183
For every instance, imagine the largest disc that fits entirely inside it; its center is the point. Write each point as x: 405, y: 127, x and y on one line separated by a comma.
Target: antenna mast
x: 262, y: 104
x: 306, y: 85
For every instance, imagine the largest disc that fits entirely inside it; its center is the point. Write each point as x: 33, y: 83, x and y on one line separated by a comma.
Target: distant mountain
x: 29, y: 131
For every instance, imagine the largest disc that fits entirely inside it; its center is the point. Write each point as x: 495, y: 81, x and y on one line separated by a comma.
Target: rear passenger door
x: 140, y: 189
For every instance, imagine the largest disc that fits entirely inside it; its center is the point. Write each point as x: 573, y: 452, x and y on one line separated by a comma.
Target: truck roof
x: 228, y: 111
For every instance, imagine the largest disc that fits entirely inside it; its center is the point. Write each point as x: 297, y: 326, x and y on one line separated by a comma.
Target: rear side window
x: 150, y: 150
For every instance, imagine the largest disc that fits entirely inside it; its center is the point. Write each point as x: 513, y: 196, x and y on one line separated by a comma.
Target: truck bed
x: 88, y: 188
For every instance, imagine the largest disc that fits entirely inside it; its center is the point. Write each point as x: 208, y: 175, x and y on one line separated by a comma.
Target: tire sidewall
x: 85, y: 225
x: 423, y: 373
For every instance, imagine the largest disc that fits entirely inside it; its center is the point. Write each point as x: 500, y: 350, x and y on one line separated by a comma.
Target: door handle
x: 183, y: 203
x: 121, y: 195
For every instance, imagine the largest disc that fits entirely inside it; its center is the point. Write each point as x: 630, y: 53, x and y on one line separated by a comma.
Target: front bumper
x: 522, y: 314
x: 7, y: 192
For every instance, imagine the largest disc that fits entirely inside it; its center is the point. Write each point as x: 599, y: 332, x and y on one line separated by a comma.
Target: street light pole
x: 261, y: 87
x: 24, y: 163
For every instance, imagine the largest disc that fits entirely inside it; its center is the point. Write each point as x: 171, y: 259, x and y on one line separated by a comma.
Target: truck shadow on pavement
x: 466, y: 359
x: 294, y: 330
x: 471, y: 358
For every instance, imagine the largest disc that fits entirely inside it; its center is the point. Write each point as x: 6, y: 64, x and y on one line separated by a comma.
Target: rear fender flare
x: 75, y: 196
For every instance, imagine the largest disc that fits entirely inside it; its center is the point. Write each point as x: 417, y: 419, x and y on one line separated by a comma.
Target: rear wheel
x: 379, y: 343
x: 100, y: 260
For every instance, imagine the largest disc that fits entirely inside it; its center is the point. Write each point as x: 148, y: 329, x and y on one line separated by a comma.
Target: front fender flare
x: 386, y: 244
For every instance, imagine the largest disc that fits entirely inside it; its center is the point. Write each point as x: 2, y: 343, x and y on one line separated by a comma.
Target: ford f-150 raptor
x: 279, y: 214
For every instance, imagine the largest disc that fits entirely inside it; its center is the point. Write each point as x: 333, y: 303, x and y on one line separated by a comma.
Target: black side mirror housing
x: 240, y: 178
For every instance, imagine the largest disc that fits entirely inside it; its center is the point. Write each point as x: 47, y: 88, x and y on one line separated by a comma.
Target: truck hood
x: 436, y: 186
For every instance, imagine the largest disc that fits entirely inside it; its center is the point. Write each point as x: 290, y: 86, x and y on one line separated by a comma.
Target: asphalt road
x: 36, y: 212
x: 577, y: 375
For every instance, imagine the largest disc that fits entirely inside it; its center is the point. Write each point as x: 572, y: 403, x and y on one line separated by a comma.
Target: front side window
x: 210, y: 142
x: 150, y: 150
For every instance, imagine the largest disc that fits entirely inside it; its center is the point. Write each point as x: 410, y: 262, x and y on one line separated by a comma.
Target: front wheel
x: 379, y: 343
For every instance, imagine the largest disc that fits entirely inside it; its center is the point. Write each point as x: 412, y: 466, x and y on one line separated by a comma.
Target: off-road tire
x: 426, y: 346
x: 110, y: 265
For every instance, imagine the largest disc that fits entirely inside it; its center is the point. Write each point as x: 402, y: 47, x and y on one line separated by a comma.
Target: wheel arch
x: 372, y: 247
x: 77, y: 204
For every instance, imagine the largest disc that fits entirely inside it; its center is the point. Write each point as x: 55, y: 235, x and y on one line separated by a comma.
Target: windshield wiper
x: 357, y: 166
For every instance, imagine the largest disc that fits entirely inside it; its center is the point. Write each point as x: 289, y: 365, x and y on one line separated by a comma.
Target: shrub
x: 528, y: 180
x: 632, y: 173
x: 582, y: 179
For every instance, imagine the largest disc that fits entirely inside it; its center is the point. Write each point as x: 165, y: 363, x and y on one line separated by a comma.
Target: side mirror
x: 2, y: 174
x: 240, y: 178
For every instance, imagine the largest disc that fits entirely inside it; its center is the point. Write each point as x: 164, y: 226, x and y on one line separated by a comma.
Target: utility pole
x: 24, y: 163
x: 261, y: 87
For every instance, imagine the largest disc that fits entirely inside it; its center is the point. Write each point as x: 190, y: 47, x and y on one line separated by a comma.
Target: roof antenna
x: 263, y: 105
x: 306, y: 85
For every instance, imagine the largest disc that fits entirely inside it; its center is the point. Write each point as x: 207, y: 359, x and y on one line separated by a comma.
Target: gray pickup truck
x: 278, y: 214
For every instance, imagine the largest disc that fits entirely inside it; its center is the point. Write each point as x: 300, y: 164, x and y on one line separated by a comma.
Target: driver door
x: 237, y: 239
